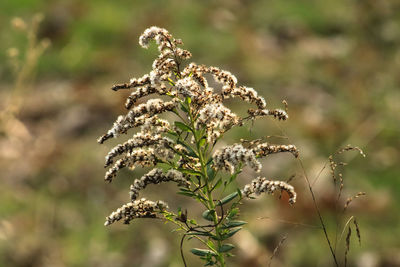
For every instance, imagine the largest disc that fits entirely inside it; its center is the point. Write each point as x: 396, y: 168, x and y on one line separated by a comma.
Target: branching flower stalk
x: 184, y: 151
x: 23, y: 66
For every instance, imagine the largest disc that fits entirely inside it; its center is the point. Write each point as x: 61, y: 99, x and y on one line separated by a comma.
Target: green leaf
x: 228, y: 198
x: 226, y: 248
x: 184, y: 108
x: 172, y: 133
x: 188, y: 100
x: 201, y: 252
x: 164, y: 166
x: 193, y: 221
x: 199, y: 234
x: 239, y: 192
x: 231, y: 233
x: 183, y: 126
x: 210, y: 173
x: 208, y: 215
x: 186, y: 193
x: 217, y: 184
x: 192, y: 153
x: 195, y: 173
x: 210, y: 244
x: 232, y: 213
x: 232, y: 224
x: 202, y: 141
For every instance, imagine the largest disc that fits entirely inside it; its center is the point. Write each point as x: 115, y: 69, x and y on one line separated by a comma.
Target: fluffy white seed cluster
x: 148, y: 89
x: 276, y: 113
x: 139, y: 140
x: 138, y: 209
x: 196, y: 72
x: 155, y: 125
x: 160, y: 35
x: 187, y: 87
x: 264, y: 149
x: 143, y: 157
x: 229, y: 157
x: 164, y: 151
x: 157, y: 176
x: 150, y: 108
x: 138, y: 116
x: 134, y: 82
x: 246, y: 93
x: 262, y: 185
x: 223, y: 76
x: 217, y: 118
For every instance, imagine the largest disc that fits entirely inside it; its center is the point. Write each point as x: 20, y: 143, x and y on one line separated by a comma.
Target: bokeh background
x: 337, y: 63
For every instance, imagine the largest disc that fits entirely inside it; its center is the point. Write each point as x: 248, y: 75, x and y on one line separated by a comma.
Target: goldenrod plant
x: 186, y: 148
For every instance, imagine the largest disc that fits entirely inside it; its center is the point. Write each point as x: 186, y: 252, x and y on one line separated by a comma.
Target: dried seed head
x: 137, y: 116
x: 265, y: 149
x: 350, y: 148
x: 187, y: 87
x: 223, y: 76
x: 246, y: 93
x: 197, y: 72
x: 142, y: 157
x: 160, y: 35
x: 276, y: 113
x: 216, y: 118
x: 182, y: 53
x: 157, y: 176
x: 357, y: 231
x: 138, y: 209
x: 229, y: 158
x: 155, y: 125
x: 350, y: 199
x: 139, y: 140
x: 347, y: 246
x: 262, y: 185
x: 134, y: 82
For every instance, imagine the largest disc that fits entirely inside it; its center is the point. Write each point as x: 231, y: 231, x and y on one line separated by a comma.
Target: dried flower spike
x: 138, y: 209
x: 262, y: 185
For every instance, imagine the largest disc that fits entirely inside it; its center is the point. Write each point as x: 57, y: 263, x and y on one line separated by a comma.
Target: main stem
x: 210, y: 205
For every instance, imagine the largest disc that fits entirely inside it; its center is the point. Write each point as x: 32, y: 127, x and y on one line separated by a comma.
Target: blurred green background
x: 337, y: 63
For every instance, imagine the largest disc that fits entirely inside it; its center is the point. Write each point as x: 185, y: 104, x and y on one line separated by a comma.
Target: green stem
x: 210, y: 205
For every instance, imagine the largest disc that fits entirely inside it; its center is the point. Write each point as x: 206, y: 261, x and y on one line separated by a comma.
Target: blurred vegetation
x: 337, y: 64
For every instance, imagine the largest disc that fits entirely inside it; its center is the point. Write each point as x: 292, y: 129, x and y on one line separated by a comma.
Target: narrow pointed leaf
x: 226, y: 248
x: 200, y: 234
x: 217, y: 184
x: 201, y: 252
x: 184, y: 108
x: 232, y: 224
x: 228, y: 198
x: 231, y: 233
x: 208, y: 215
x: 182, y: 126
x: 195, y: 173
x: 210, y: 173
